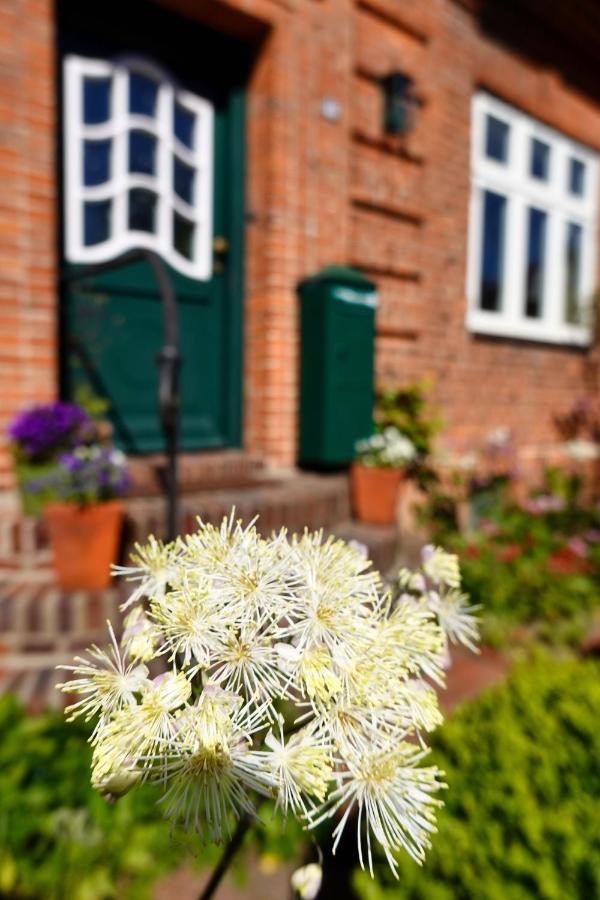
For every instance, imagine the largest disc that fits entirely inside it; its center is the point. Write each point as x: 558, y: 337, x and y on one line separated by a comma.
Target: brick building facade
x: 323, y: 184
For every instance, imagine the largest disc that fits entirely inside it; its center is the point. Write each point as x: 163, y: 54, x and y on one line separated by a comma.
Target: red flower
x: 472, y: 551
x: 566, y: 562
x: 509, y: 553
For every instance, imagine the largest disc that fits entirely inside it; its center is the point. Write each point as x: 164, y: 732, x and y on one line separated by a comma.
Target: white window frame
x: 117, y: 128
x: 512, y: 180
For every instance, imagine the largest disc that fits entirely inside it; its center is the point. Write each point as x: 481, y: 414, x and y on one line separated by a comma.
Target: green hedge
x: 522, y: 815
x: 58, y: 838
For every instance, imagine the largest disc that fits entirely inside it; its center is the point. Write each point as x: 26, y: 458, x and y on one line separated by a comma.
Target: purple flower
x: 544, y: 503
x: 45, y: 429
x: 87, y: 474
x: 70, y: 461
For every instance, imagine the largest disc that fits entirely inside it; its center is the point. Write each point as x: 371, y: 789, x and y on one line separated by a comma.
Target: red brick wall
x: 481, y: 384
x: 318, y: 192
x: 27, y: 211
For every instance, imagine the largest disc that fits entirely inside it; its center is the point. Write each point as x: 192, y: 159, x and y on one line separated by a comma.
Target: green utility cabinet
x: 337, y: 315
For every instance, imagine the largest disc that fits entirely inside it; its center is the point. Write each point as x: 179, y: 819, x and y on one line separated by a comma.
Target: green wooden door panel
x: 115, y: 333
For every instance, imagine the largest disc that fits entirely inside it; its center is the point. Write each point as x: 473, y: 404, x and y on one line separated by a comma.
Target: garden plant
x: 533, y: 565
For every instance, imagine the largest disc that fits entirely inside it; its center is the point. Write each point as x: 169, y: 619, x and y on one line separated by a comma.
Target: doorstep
x: 293, y: 500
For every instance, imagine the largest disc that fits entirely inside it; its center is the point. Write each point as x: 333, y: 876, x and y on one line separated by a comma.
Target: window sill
x: 490, y: 324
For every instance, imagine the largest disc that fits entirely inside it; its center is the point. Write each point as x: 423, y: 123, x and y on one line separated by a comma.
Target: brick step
x: 196, y: 471
x: 381, y: 541
x: 295, y: 501
x: 40, y: 618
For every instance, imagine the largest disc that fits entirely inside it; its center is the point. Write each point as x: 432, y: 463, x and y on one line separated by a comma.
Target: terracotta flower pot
x: 375, y: 493
x: 84, y: 542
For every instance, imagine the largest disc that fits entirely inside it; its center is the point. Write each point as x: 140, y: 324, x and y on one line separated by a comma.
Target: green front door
x: 175, y: 193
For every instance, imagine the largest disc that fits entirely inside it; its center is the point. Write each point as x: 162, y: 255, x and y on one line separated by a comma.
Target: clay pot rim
x: 67, y: 506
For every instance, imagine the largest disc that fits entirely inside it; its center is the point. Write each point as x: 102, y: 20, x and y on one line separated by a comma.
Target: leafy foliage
x: 62, y: 452
x: 406, y: 409
x: 534, y: 564
x: 389, y: 449
x: 58, y: 837
x: 521, y: 816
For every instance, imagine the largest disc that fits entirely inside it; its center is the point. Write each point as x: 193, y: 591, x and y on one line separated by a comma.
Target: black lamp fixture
x: 400, y: 103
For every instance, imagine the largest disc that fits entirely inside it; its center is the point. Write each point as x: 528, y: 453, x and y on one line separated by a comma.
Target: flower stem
x: 228, y: 853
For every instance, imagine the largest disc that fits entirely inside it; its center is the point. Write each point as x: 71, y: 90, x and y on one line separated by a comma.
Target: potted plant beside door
x: 84, y: 513
x: 38, y: 436
x: 380, y: 467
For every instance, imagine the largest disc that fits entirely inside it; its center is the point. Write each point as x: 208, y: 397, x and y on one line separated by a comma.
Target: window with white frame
x: 138, y: 165
x: 532, y: 229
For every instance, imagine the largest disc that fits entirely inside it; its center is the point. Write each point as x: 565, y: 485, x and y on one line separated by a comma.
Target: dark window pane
x: 536, y: 255
x: 183, y: 180
x: 540, y: 159
x: 183, y: 231
x: 96, y: 162
x: 142, y: 210
x: 576, y: 177
x: 143, y: 92
x: 184, y: 123
x: 96, y: 222
x: 96, y: 100
x: 573, y: 274
x: 496, y: 139
x: 492, y: 251
x: 142, y: 152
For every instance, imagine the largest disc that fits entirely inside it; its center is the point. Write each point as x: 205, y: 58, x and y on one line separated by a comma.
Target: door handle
x: 220, y: 245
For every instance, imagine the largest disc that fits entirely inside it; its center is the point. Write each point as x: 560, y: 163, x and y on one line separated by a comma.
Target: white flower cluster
x: 389, y: 448
x: 288, y: 671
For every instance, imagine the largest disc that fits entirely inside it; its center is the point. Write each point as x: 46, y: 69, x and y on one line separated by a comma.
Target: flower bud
x: 306, y: 881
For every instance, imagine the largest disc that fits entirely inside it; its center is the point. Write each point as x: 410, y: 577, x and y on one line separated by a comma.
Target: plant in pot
x: 408, y: 409
x: 38, y: 436
x: 381, y: 464
x: 84, y: 513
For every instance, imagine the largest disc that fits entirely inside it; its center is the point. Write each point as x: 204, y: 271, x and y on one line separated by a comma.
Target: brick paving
x: 471, y: 673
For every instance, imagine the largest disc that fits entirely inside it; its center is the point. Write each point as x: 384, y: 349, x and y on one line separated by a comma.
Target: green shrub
x: 58, y: 838
x: 522, y: 811
x: 526, y: 591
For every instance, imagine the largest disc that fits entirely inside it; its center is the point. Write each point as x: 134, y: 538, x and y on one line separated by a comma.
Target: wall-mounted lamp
x: 400, y: 103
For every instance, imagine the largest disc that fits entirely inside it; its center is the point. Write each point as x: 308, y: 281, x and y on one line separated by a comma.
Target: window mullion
x: 588, y: 273
x: 554, y: 314
x: 514, y: 260
x: 165, y: 169
x: 120, y: 153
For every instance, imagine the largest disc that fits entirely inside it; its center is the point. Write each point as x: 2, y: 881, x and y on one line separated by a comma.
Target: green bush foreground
x: 58, y: 837
x: 522, y: 814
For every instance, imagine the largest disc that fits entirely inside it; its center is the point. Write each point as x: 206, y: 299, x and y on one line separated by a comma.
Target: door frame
x: 235, y: 210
